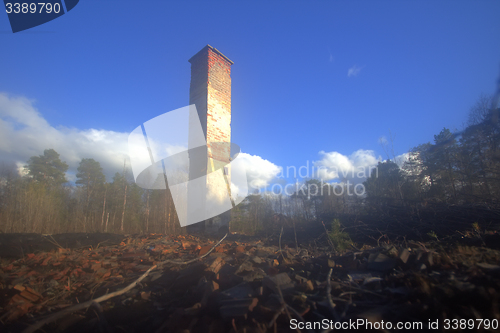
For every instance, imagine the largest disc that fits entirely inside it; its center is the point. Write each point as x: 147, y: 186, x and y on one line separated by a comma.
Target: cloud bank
x: 24, y: 133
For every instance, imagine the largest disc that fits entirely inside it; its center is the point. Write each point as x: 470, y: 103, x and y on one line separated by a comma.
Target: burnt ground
x: 438, y: 270
x: 17, y: 245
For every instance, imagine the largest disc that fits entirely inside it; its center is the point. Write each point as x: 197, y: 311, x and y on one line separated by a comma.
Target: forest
x: 458, y: 168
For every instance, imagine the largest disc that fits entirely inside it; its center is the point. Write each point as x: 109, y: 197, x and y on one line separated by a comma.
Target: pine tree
x: 48, y: 168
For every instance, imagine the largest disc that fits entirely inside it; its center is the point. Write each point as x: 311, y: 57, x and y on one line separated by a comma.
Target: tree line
x: 457, y: 168
x: 42, y: 201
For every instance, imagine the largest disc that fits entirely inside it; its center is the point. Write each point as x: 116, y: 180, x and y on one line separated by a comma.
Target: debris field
x: 158, y: 283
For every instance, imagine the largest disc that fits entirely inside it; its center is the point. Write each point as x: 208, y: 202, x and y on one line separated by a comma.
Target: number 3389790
x: 32, y: 8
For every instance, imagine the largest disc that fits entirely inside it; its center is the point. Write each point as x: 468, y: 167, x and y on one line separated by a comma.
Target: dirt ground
x: 265, y: 283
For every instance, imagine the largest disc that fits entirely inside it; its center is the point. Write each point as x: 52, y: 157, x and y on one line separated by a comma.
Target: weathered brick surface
x: 210, y: 91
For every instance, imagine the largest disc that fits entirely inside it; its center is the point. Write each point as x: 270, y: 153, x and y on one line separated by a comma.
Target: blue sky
x: 308, y: 76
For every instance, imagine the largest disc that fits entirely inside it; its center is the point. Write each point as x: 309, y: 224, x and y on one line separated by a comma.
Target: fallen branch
x: 85, y: 305
x: 286, y: 306
x: 276, y: 315
x: 53, y: 241
x: 329, y: 295
x: 328, y: 237
x: 168, y: 261
x: 281, y: 233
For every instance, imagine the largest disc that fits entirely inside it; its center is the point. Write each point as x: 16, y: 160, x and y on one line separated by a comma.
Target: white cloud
x: 355, y: 167
x: 260, y: 172
x: 401, y: 159
x: 25, y: 133
x: 353, y: 71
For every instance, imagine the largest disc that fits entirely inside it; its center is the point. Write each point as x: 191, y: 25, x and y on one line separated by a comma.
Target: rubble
x: 188, y: 284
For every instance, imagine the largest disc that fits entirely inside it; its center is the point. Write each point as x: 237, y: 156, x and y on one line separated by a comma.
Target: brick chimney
x: 210, y: 91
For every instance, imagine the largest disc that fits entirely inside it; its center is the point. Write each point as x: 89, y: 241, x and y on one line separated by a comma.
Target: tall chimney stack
x: 210, y: 91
